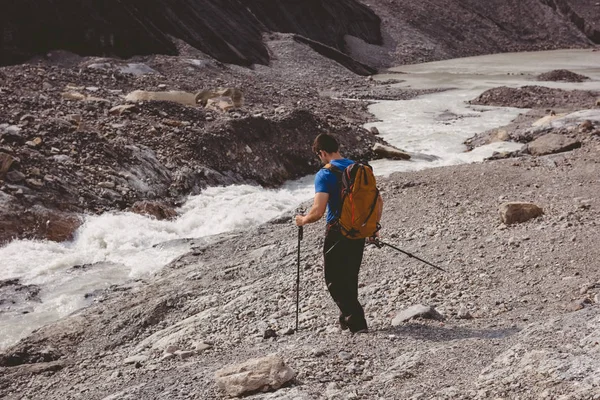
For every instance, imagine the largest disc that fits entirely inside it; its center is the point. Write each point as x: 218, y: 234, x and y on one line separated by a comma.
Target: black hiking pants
x: 342, y: 263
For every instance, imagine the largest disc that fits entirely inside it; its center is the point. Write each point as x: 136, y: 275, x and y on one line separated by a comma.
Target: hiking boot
x: 343, y: 324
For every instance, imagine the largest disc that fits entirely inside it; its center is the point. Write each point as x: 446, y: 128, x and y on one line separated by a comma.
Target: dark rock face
x: 228, y: 30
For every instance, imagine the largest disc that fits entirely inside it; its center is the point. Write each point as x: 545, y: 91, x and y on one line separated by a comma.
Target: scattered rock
x: 6, y: 163
x: 517, y: 212
x: 135, y: 359
x: 176, y: 96
x: 267, y: 373
x: 417, y: 311
x: 463, y: 313
x: 552, y: 143
x: 121, y: 109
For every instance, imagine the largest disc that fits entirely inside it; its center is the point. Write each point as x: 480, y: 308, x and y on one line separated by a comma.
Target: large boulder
x: 267, y: 373
x: 516, y: 212
x: 552, y: 143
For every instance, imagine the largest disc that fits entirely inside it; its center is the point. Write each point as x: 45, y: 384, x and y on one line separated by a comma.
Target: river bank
x: 531, y: 290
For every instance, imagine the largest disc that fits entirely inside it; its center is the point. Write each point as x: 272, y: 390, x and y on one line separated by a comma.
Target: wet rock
x: 390, y: 152
x: 374, y: 130
x: 267, y: 373
x: 155, y: 209
x: 517, y: 212
x: 417, y: 311
x: 552, y: 143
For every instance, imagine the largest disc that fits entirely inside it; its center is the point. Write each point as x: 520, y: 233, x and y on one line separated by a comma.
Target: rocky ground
x: 520, y: 302
x: 517, y: 311
x: 65, y: 149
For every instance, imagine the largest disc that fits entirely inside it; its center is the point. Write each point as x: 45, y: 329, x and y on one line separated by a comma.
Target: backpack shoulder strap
x: 338, y: 172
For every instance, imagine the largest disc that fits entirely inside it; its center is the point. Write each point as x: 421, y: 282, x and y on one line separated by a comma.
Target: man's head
x: 325, y: 142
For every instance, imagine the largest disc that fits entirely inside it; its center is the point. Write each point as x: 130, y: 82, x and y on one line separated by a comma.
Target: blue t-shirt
x: 326, y: 181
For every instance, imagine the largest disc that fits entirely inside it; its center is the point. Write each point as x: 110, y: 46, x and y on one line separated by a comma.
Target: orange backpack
x: 359, y: 214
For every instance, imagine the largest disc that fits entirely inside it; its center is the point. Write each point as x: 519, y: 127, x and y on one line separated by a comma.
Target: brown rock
x: 235, y: 94
x: 516, y: 212
x: 221, y: 103
x: 374, y: 130
x: 121, y: 109
x: 390, y: 152
x: 552, y: 143
x: 586, y: 126
x: 157, y: 210
x: 59, y: 227
x: 6, y: 162
x: 185, y: 98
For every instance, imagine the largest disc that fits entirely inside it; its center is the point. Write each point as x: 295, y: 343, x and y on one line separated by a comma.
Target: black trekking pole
x: 380, y: 244
x: 300, y: 234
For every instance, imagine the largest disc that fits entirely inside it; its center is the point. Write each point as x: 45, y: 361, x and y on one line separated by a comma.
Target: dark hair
x: 325, y: 142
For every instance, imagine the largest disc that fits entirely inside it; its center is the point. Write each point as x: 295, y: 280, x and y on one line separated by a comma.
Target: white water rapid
x: 123, y: 246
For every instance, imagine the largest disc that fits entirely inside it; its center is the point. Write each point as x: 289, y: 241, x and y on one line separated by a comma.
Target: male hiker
x: 342, y: 255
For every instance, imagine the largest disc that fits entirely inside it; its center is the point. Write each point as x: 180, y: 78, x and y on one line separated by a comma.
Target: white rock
x: 269, y: 372
x: 135, y: 359
x: 416, y: 311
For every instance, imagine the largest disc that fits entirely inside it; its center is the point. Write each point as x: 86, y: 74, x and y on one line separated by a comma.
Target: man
x: 342, y: 256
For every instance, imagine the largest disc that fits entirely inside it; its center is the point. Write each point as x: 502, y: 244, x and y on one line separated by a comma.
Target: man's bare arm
x: 316, y: 211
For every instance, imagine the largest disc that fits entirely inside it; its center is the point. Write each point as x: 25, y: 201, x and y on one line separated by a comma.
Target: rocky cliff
x: 379, y: 33
x: 229, y: 31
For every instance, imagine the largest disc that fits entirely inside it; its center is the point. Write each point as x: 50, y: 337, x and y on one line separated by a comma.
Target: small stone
x: 575, y: 306
x: 184, y: 354
x: 417, y: 311
x: 135, y: 359
x: 201, y: 346
x: 171, y: 349
x: 15, y: 176
x: 269, y: 333
x: 27, y: 118
x: 344, y: 355
x: 289, y: 331
x: 463, y: 313
x: 107, y: 185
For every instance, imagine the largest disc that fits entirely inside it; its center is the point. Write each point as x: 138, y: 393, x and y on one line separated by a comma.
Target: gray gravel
x: 517, y: 283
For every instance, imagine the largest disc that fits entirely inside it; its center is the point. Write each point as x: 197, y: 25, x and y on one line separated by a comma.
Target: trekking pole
x: 380, y: 244
x: 300, y: 234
